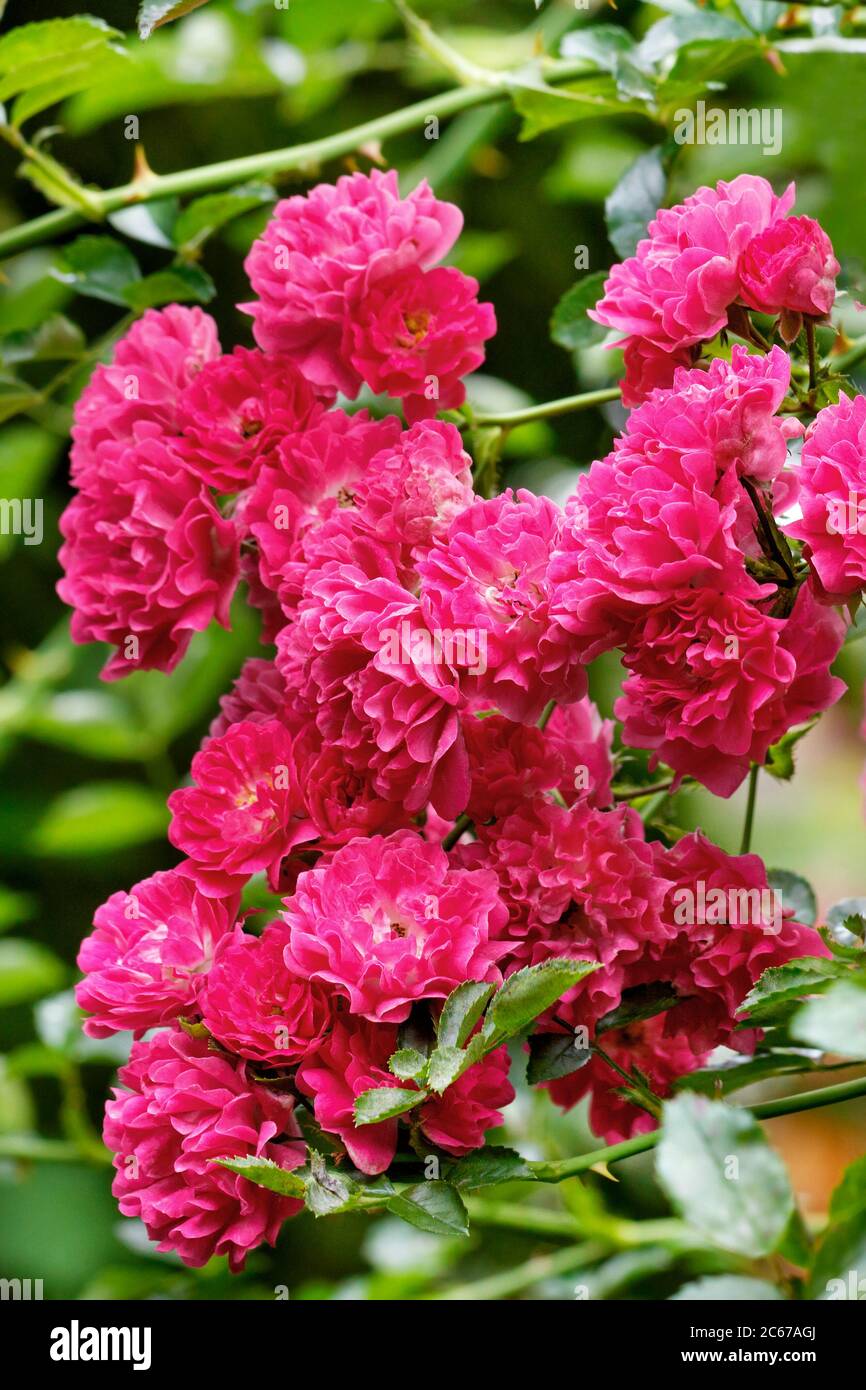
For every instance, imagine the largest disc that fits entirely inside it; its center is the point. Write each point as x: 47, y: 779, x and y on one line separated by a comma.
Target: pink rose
x: 790, y: 265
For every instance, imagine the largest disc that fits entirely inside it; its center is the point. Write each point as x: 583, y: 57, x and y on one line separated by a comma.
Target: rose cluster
x: 723, y: 249
x: 415, y: 768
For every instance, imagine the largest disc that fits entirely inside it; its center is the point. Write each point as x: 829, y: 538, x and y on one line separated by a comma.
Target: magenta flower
x: 255, y: 1006
x: 458, y: 1120
x: 180, y: 1108
x: 152, y: 366
x: 414, y: 488
x: 832, y: 497
x: 388, y: 921
x: 665, y: 512
x: 321, y: 253
x: 379, y: 681
x: 245, y: 810
x: 790, y: 266
x: 259, y: 695
x: 677, y: 287
x: 649, y: 368
x: 147, y: 959
x: 353, y: 1059
x: 312, y: 481
x: 715, y: 681
x: 488, y: 580
x: 235, y: 412
x: 510, y: 762
x: 417, y: 334
x: 148, y: 559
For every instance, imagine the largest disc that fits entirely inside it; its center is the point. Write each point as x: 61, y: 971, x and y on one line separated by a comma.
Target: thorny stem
x: 304, y: 157
x: 766, y: 1110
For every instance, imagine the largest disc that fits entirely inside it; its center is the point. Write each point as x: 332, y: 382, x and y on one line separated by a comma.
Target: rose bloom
x: 387, y: 921
x: 341, y: 796
x: 676, y: 289
x: 312, y: 479
x: 235, y: 412
x: 510, y: 762
x: 665, y: 512
x: 355, y: 1058
x: 148, y: 559
x: 586, y: 875
x: 151, y: 367
x: 320, y: 254
x: 244, y: 812
x: 417, y: 334
x: 647, y: 368
x: 255, y: 1006
x: 714, y: 682
x: 259, y: 695
x: 832, y: 497
x: 180, y: 1107
x: 790, y: 266
x: 147, y: 959
x: 488, y: 580
x: 414, y: 488
x: 378, y: 684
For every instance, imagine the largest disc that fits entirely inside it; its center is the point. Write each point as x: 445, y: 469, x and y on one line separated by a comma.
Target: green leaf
x: 150, y: 223
x: 779, y: 761
x: 327, y: 1190
x: 636, y: 199
x: 780, y: 984
x: 795, y: 893
x: 433, y: 1206
x: 612, y: 48
x: 552, y: 1055
x: 722, y: 1176
x: 154, y: 13
x: 265, y: 1173
x: 98, y: 267
x: 408, y: 1064
x: 488, y: 1166
x: 384, y: 1103
x: 836, y: 1022
x: 55, y: 339
x: 28, y: 971
x: 849, y: 1198
x: 15, y: 396
x: 735, y: 1074
x: 728, y: 1288
x: 637, y: 1004
x: 570, y: 327
x: 839, y: 1269
x: 98, y: 818
x: 528, y: 992
x: 15, y: 908
x: 845, y: 923
x: 544, y: 108
x: 46, y: 62
x: 461, y: 1011
x: 445, y: 1065
x: 177, y: 284
x: 200, y: 219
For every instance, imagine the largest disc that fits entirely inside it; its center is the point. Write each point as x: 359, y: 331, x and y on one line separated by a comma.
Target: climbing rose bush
x: 413, y: 767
